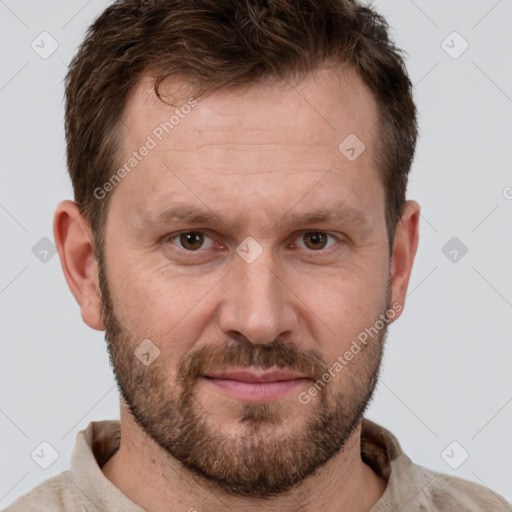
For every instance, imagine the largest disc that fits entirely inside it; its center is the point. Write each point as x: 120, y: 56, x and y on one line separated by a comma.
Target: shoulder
x: 414, y: 488
x: 57, y: 494
x: 446, y: 493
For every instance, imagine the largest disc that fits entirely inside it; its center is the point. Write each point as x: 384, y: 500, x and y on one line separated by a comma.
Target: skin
x: 251, y: 155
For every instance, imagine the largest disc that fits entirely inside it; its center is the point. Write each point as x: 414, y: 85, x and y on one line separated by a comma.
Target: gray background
x: 446, y: 374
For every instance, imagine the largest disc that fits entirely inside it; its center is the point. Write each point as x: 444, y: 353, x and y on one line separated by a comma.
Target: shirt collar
x: 96, y: 444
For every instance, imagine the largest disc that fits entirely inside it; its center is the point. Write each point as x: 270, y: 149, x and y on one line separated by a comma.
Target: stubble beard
x: 261, y: 459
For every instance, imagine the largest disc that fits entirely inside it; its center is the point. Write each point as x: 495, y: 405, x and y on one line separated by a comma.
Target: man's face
x: 245, y: 329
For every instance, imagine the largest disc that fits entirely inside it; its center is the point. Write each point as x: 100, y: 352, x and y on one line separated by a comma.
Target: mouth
x: 256, y: 385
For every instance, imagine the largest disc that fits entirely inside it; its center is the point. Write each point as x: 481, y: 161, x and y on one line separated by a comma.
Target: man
x: 240, y: 231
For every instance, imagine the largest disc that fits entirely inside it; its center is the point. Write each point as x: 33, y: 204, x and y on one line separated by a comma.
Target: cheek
x: 344, y: 306
x: 135, y: 287
x: 170, y: 310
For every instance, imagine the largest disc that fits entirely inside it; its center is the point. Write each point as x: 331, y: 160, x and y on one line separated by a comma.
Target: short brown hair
x: 215, y: 44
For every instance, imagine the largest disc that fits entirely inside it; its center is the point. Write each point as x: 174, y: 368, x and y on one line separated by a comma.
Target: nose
x: 257, y: 303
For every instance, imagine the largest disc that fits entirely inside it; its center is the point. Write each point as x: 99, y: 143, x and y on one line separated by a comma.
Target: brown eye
x: 190, y: 240
x: 315, y: 240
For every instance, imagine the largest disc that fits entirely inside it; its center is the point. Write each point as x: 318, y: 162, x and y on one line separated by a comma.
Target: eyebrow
x: 193, y: 215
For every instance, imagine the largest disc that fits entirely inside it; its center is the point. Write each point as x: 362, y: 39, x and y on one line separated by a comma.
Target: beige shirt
x: 410, y: 488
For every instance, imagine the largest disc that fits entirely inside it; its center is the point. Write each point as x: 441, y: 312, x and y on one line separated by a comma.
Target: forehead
x: 327, y: 105
x: 263, y: 141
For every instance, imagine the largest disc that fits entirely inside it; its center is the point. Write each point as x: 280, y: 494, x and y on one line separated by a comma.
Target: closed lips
x: 255, y: 376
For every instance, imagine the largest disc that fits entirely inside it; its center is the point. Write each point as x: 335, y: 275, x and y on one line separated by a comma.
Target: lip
x: 256, y: 385
x: 245, y: 375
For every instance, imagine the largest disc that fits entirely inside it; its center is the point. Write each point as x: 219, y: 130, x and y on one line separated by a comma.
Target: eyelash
x: 198, y: 252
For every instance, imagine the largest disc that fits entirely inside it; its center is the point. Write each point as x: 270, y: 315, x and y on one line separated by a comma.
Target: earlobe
x: 74, y: 241
x: 404, y: 250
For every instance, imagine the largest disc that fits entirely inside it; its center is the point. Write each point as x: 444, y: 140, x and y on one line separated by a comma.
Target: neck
x: 155, y: 481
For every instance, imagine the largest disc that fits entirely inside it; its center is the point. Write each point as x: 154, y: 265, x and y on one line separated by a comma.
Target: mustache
x: 277, y: 354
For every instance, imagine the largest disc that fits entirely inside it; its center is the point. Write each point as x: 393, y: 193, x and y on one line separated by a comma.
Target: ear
x: 404, y: 250
x: 75, y: 243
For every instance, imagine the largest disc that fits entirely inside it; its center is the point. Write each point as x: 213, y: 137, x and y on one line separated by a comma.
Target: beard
x: 264, y: 456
